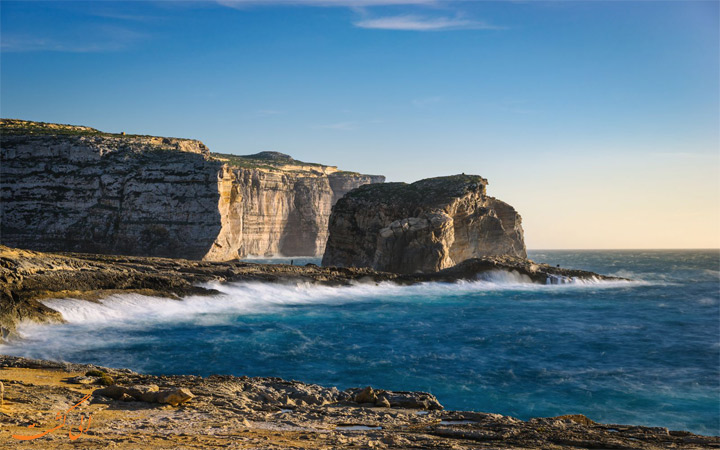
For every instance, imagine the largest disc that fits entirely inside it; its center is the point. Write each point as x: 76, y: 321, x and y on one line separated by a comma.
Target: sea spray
x: 263, y: 298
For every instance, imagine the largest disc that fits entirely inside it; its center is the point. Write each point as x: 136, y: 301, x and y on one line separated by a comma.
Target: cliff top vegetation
x: 429, y: 190
x: 13, y: 127
x: 266, y: 160
x: 269, y: 161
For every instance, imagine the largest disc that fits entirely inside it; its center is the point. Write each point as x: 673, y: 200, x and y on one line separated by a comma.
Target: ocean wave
x: 246, y: 298
x: 513, y: 279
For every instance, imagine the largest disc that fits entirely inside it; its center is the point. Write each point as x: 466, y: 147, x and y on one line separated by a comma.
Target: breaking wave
x: 249, y: 298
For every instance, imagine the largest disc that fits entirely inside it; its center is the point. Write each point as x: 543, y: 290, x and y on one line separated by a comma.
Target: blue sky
x: 599, y: 121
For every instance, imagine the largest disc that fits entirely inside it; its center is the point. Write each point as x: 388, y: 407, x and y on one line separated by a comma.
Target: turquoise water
x: 645, y: 353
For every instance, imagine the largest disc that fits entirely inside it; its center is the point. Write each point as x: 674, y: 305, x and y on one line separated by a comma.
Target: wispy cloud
x: 406, y: 22
x: 341, y: 126
x: 120, y: 16
x: 336, y: 3
x: 420, y: 23
x: 97, y: 39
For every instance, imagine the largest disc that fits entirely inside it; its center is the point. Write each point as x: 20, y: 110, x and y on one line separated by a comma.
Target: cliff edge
x: 426, y: 226
x: 74, y: 188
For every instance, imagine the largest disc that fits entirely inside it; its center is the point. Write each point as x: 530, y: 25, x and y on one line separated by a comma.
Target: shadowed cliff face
x: 425, y: 226
x: 68, y: 188
x: 106, y: 194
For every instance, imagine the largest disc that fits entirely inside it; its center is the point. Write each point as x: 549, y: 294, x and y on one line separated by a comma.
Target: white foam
x: 503, y: 277
x: 248, y: 298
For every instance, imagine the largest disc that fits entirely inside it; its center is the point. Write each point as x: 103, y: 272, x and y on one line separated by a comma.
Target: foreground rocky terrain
x: 425, y: 226
x: 28, y: 276
x: 270, y: 413
x: 74, y: 188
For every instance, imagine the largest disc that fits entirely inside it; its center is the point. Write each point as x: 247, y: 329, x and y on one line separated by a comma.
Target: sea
x: 642, y: 352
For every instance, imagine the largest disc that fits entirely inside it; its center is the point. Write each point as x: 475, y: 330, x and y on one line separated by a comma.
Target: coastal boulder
x: 425, y: 226
x: 394, y: 399
x: 146, y: 393
x: 174, y: 396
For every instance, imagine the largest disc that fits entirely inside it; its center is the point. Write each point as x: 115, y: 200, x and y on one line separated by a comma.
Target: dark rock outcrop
x: 425, y: 226
x: 71, y: 188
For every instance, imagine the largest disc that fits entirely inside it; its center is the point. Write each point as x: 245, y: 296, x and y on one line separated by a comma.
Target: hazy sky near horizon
x: 598, y: 121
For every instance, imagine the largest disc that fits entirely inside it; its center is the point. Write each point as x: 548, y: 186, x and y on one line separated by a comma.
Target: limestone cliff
x: 425, y: 226
x: 70, y: 188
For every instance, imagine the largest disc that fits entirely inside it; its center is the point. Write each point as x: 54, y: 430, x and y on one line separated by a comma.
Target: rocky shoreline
x: 29, y: 276
x: 271, y: 413
x: 137, y: 411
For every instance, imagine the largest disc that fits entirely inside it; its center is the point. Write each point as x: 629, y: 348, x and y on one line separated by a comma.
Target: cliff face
x: 66, y: 188
x: 425, y: 226
x: 281, y: 210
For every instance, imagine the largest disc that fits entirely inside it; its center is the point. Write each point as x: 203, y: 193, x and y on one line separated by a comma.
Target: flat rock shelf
x: 241, y: 412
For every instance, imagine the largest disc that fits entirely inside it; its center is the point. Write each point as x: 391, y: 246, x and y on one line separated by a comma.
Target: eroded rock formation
x: 71, y: 188
x: 425, y: 226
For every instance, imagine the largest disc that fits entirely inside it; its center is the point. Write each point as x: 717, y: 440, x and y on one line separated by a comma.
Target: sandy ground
x: 34, y: 396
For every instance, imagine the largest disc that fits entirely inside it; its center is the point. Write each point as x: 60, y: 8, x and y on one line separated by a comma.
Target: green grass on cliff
x: 263, y: 160
x: 16, y: 127
x: 430, y: 190
x: 244, y: 162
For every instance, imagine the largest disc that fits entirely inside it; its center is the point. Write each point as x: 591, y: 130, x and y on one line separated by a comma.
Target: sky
x: 598, y: 121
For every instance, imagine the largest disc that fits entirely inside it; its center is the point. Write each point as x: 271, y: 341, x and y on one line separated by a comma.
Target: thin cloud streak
x: 239, y: 4
x: 418, y: 23
x: 99, y: 39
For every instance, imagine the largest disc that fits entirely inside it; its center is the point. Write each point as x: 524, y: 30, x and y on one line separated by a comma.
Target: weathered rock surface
x: 146, y: 393
x: 28, y: 276
x: 425, y: 226
x: 271, y: 413
x: 69, y: 188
